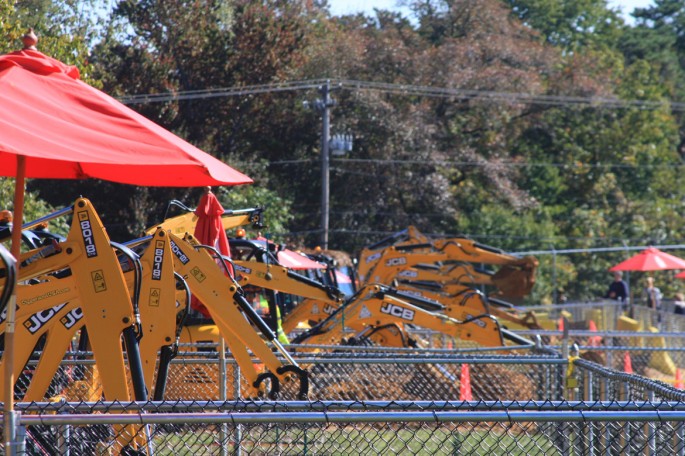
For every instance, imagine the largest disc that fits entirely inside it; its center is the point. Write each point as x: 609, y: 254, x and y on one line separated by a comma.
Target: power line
x: 406, y: 90
x: 222, y: 92
x: 454, y: 164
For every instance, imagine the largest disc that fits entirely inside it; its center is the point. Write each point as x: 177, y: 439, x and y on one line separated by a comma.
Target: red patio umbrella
x: 53, y: 125
x: 209, y: 230
x: 650, y: 259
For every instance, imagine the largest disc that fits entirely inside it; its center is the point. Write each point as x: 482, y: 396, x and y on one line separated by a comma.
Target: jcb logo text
x: 398, y: 311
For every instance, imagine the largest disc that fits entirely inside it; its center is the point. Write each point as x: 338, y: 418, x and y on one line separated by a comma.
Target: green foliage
x: 277, y: 210
x: 570, y: 25
x: 34, y: 207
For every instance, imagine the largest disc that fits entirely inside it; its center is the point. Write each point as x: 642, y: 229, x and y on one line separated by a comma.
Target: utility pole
x: 327, y: 104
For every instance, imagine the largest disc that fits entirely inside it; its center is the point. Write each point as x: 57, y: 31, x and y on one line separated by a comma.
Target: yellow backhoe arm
x: 377, y: 306
x: 463, y: 273
x: 159, y: 311
x: 320, y: 300
x: 383, y: 262
x: 312, y: 311
x: 108, y: 311
x: 185, y: 223
x: 279, y: 278
x: 228, y: 308
x: 519, y: 275
x: 462, y: 302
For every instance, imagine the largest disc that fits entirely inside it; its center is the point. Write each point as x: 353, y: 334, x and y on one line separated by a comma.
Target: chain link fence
x: 396, y: 427
x: 375, y: 400
x: 343, y: 373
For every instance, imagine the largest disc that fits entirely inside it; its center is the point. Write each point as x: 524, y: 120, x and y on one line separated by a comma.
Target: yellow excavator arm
x: 461, y: 302
x: 377, y: 306
x: 230, y: 311
x: 186, y: 222
x: 319, y: 300
x: 279, y: 278
x: 463, y: 273
x: 381, y: 264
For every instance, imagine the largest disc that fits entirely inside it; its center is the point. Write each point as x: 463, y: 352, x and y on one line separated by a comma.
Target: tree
x: 571, y: 25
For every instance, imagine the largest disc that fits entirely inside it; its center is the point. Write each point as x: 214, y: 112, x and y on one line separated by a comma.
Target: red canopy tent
x: 295, y: 260
x: 52, y: 125
x: 650, y: 259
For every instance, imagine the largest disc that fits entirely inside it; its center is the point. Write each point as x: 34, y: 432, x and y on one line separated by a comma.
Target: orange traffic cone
x: 465, y: 384
x: 593, y: 341
x: 560, y: 325
x: 678, y: 379
x: 627, y: 364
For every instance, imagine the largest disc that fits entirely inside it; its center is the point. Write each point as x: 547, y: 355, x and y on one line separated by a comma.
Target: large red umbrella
x: 53, y: 125
x: 650, y: 259
x: 66, y: 129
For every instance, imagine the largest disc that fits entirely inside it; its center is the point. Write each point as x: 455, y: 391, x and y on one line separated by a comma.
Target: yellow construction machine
x: 515, y: 277
x: 378, y: 313
x: 85, y: 282
x: 438, y: 270
x: 186, y: 221
x: 460, y: 301
x: 73, y: 283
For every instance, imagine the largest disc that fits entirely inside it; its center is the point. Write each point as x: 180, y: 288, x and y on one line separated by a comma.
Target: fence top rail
x: 663, y: 389
x: 437, y: 417
x: 363, y: 349
x: 602, y: 303
x: 588, y: 333
x: 623, y: 248
x: 624, y: 348
x: 409, y: 360
x: 327, y: 406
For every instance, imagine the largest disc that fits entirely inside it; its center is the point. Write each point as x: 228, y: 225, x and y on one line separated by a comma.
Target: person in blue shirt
x: 618, y: 289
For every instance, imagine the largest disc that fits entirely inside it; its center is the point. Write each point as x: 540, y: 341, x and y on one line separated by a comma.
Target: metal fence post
x: 17, y: 444
x: 63, y: 437
x: 651, y: 429
x: 554, y: 276
x: 624, y: 395
x: 609, y: 342
x: 680, y: 439
x: 222, y: 393
x: 588, y: 386
x: 238, y: 432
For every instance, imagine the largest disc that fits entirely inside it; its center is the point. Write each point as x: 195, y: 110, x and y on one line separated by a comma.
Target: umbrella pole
x: 8, y: 355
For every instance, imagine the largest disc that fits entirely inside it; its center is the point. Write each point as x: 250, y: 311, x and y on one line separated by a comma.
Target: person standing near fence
x: 652, y: 297
x: 618, y: 289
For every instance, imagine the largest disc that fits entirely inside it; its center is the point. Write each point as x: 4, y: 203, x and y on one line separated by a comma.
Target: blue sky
x: 339, y: 7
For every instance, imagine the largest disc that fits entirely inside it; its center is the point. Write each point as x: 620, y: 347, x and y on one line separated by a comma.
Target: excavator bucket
x: 516, y: 279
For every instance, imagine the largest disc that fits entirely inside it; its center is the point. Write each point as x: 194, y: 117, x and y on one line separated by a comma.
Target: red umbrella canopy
x: 67, y: 129
x: 210, y: 231
x: 650, y: 259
